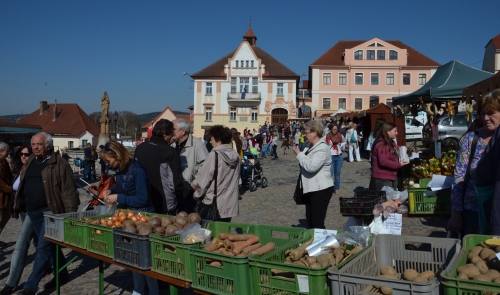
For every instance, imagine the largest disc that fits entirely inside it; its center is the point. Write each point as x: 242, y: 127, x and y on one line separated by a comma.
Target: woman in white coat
x: 352, y: 140
x: 317, y: 181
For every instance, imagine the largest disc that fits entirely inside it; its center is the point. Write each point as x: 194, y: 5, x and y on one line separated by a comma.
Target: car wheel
x: 449, y: 144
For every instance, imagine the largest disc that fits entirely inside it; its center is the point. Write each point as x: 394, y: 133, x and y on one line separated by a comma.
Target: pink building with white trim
x: 353, y: 73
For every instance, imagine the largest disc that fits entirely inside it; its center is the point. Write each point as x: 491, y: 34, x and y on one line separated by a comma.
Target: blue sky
x: 73, y: 51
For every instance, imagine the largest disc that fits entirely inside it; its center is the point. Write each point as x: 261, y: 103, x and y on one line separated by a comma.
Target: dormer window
x: 358, y: 55
x: 251, y: 63
x: 380, y: 54
x: 247, y: 64
x: 237, y: 64
x: 393, y: 55
x: 370, y: 54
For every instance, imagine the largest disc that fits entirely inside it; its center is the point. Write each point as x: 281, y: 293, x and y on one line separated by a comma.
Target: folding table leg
x: 101, y: 277
x: 173, y: 290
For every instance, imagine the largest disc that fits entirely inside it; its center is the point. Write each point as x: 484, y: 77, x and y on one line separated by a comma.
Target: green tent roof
x: 446, y: 83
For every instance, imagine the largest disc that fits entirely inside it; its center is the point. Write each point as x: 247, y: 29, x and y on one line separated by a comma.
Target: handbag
x: 298, y: 195
x: 210, y: 212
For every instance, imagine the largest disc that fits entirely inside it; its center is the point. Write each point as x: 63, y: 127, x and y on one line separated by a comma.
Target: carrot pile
x: 238, y: 245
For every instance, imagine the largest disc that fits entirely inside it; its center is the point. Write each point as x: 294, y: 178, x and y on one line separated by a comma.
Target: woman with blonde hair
x: 317, y: 181
x: 129, y: 192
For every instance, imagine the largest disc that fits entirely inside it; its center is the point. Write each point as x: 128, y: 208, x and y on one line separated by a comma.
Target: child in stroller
x: 251, y: 171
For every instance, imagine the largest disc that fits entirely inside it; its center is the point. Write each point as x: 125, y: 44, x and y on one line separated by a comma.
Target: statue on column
x: 105, y: 107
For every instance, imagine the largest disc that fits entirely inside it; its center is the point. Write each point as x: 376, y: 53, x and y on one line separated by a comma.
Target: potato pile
x: 239, y: 245
x: 478, y: 258
x: 119, y: 218
x: 388, y: 272
x: 337, y: 255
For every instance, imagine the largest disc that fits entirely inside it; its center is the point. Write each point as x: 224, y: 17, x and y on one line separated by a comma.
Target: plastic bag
x: 360, y: 234
x: 377, y: 226
x: 392, y: 194
x: 194, y: 234
x: 377, y: 210
x: 403, y: 154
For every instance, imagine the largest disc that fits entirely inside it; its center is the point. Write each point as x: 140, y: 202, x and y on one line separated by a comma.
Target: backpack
x: 353, y: 138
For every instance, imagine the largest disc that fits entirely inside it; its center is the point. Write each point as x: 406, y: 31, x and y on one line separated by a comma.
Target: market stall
x: 382, y: 111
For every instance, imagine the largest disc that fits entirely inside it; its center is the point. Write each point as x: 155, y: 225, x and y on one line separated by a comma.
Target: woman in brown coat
x: 5, y: 185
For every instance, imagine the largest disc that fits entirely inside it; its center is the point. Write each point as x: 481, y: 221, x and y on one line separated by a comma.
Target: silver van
x: 451, y: 130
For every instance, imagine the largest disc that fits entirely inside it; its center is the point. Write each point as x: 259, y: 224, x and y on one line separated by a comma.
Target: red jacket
x: 385, y: 161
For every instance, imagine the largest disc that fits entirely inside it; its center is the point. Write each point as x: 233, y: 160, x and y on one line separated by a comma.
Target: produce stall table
x: 175, y: 284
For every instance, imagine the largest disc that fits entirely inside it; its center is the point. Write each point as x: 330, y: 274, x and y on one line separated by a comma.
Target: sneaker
x: 26, y: 292
x: 359, y: 161
x: 52, y: 283
x: 7, y: 290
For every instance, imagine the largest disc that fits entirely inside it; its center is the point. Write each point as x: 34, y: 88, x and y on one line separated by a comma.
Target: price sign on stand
x: 394, y: 224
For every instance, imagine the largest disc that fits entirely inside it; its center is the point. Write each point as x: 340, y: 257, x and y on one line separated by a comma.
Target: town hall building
x: 244, y: 89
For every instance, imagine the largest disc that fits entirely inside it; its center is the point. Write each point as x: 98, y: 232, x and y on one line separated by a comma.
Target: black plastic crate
x: 132, y: 249
x: 362, y: 204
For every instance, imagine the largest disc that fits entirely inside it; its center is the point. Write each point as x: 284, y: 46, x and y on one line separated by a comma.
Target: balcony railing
x: 243, y: 99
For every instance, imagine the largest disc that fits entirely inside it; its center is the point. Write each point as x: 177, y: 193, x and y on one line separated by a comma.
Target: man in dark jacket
x: 46, y: 186
x: 163, y: 165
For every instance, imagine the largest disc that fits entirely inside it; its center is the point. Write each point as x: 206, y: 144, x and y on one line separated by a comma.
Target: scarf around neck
x: 334, y: 139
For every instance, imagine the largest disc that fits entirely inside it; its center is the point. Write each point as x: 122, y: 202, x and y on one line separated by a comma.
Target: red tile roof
x: 333, y: 57
x: 496, y: 41
x: 273, y: 67
x: 249, y: 33
x: 184, y: 116
x: 71, y: 120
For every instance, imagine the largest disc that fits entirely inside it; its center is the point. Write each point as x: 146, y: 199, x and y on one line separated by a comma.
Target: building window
x: 393, y: 55
x: 343, y: 103
x: 422, y: 79
x: 358, y: 79
x: 247, y: 63
x: 358, y: 54
x: 374, y: 78
x: 327, y: 78
x: 381, y: 54
x: 255, y: 85
x: 208, y: 89
x: 244, y: 84
x: 70, y: 145
x: 370, y: 54
x: 326, y: 103
x: 358, y: 103
x: 342, y: 79
x: 208, y: 114
x: 232, y: 114
x: 84, y: 142
x: 254, y: 114
x: 237, y: 64
x: 388, y: 102
x: 251, y: 63
x: 279, y: 90
x: 406, y: 79
x: 233, y: 85
x: 389, y: 79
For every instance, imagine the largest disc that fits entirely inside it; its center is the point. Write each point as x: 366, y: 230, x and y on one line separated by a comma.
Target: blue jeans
x: 20, y: 253
x: 45, y: 253
x: 335, y: 167
x: 140, y: 282
x: 86, y: 169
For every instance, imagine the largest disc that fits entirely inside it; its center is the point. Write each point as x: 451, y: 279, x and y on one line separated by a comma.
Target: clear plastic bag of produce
x: 403, y: 154
x: 194, y: 234
x: 392, y: 194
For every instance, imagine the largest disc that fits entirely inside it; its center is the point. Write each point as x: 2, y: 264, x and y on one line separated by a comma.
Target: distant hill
x: 15, y: 117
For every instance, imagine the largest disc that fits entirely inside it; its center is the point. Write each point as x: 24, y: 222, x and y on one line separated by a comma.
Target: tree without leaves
x: 96, y: 116
x: 126, y: 122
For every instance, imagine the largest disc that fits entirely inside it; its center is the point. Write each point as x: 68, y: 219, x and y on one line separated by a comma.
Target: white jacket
x: 315, y: 167
x: 348, y: 135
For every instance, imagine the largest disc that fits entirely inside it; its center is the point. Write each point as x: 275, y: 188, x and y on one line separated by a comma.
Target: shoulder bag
x: 298, y: 195
x: 210, y: 212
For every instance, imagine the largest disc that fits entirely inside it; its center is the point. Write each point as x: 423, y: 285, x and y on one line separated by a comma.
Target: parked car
x: 450, y: 130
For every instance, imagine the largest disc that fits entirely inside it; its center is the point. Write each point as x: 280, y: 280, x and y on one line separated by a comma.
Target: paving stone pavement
x: 272, y: 205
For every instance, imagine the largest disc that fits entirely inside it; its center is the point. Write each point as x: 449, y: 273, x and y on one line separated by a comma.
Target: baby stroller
x: 251, y: 171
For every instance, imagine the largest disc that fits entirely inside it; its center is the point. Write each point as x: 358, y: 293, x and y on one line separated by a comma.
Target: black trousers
x: 275, y: 146
x: 377, y: 184
x: 317, y: 206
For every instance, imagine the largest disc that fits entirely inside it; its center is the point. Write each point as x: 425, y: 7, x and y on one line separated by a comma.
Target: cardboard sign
x: 394, y: 224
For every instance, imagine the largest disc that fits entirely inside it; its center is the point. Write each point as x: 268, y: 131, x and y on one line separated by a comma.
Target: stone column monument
x: 104, y: 136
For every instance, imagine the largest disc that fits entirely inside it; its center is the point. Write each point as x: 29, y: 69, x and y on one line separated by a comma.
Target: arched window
x: 393, y: 55
x: 358, y: 54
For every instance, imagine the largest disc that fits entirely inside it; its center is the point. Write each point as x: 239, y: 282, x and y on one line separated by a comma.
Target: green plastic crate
x: 234, y: 276
x: 424, y: 182
x: 314, y: 281
x: 76, y: 230
x: 171, y: 257
x: 454, y: 286
x: 420, y: 203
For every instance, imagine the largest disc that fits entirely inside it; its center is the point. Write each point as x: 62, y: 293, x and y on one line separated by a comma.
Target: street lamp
x: 115, y: 118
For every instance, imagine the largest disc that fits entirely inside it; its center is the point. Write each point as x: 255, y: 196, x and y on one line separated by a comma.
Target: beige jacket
x: 227, y: 180
x: 192, y: 157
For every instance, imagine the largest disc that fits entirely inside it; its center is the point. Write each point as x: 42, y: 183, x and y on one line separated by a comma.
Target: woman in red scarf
x: 335, y: 140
